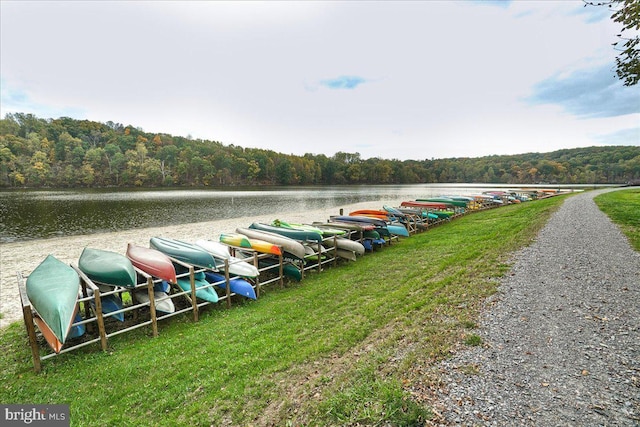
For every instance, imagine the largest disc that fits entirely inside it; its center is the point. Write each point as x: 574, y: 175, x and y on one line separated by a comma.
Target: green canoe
x: 183, y: 251
x: 52, y: 289
x: 452, y: 202
x: 106, y: 267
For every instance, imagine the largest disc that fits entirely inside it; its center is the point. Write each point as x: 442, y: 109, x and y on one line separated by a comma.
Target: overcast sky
x: 396, y: 80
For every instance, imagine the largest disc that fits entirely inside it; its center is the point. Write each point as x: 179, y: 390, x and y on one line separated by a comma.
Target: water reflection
x: 42, y: 214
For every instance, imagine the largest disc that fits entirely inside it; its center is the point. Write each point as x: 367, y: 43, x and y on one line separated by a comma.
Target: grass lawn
x: 623, y: 207
x: 348, y: 346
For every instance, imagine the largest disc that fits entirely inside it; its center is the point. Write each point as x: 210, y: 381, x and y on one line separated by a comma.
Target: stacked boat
x: 207, y: 271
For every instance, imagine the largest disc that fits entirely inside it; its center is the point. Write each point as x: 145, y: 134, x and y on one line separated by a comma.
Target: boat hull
x: 52, y: 289
x: 241, y: 241
x: 236, y: 285
x: 106, y: 267
x: 183, y: 251
x: 291, y: 246
x: 220, y: 251
x: 152, y: 262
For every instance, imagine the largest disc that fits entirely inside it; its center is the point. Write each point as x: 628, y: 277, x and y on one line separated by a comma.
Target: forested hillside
x: 65, y: 152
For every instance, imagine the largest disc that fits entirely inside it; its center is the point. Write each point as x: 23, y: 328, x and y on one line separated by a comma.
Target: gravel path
x: 561, y: 336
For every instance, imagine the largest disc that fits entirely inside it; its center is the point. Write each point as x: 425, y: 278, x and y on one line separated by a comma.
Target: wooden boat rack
x: 100, y: 327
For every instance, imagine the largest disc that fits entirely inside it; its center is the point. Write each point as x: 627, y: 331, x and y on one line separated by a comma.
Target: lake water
x: 28, y: 215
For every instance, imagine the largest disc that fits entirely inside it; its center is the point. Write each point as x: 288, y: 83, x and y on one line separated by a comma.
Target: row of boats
x: 205, y: 269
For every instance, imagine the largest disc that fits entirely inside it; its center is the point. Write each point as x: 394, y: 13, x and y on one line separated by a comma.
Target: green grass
x: 348, y: 346
x: 623, y: 207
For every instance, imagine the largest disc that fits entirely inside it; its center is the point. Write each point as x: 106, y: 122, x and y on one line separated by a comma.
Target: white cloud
x: 428, y: 79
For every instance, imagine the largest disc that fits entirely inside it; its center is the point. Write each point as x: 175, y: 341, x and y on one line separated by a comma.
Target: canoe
x: 76, y: 331
x: 300, y: 235
x: 152, y: 261
x: 162, y: 300
x: 241, y: 241
x: 290, y: 246
x: 203, y: 290
x: 447, y: 201
x: 110, y: 304
x: 425, y: 205
x: 374, y: 213
x: 359, y: 220
x: 393, y: 211
x: 323, y: 230
x: 220, y: 251
x: 183, y: 251
x: 52, y: 288
x: 288, y: 270
x: 348, y: 255
x: 237, y: 285
x: 351, y: 226
x: 398, y: 230
x: 345, y: 244
x: 107, y: 267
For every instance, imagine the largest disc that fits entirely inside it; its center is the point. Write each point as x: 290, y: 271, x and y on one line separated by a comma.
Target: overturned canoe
x: 220, y: 251
x: 52, y: 289
x: 203, y: 289
x: 183, y: 251
x: 107, y: 267
x: 152, y: 261
x: 291, y: 246
x: 162, y: 301
x: 241, y: 241
x: 236, y: 285
x: 295, y: 234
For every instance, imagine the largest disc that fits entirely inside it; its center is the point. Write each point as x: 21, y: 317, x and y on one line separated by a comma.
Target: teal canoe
x: 398, y: 230
x: 186, y: 252
x: 300, y: 235
x: 52, y: 288
x: 203, y: 290
x: 106, y: 267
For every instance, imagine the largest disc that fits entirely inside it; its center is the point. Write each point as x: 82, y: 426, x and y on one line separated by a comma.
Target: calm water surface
x: 28, y: 215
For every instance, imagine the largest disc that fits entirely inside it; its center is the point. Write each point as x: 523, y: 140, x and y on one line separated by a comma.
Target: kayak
x: 203, y: 290
x: 290, y: 246
x: 300, y: 235
x: 162, y: 301
x: 108, y: 268
x: 77, y: 331
x: 398, y: 230
x: 241, y: 241
x: 237, y: 285
x: 220, y: 252
x: 52, y: 289
x: 183, y: 251
x: 152, y: 261
x: 110, y: 304
x: 288, y: 270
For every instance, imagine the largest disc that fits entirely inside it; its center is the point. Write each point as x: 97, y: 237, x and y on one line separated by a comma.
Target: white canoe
x: 220, y: 251
x: 162, y: 301
x: 294, y: 247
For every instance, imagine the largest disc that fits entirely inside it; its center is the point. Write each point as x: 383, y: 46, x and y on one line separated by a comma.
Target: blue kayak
x: 236, y: 285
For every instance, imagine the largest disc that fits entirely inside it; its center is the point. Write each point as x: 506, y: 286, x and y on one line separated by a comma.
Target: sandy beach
x: 25, y: 256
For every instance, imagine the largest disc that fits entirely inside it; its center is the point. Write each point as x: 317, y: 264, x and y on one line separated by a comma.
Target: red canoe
x: 152, y: 262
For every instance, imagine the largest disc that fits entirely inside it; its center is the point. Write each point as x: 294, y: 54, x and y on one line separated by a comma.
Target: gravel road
x: 561, y: 338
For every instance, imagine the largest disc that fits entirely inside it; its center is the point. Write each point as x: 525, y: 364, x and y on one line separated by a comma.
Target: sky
x: 389, y: 79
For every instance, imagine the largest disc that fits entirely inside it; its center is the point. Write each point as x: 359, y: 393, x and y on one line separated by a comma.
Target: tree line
x: 69, y: 153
